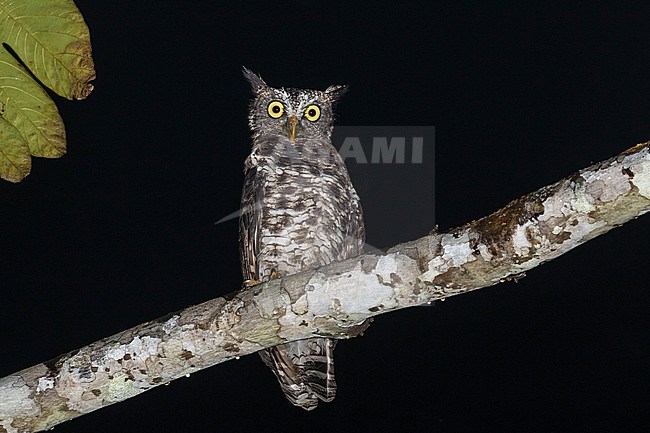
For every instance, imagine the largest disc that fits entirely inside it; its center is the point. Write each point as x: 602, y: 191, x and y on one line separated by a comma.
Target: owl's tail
x: 305, y: 370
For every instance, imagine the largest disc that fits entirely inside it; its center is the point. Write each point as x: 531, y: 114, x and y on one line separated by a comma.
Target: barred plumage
x: 299, y: 211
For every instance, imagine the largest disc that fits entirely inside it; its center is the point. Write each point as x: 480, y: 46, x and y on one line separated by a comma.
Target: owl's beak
x: 292, y: 124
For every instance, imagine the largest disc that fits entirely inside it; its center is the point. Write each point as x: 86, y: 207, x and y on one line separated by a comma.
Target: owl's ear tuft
x: 255, y: 80
x: 336, y: 92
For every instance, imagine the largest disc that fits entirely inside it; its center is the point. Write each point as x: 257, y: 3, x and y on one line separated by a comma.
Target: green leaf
x: 51, y: 37
x: 15, y: 162
x: 29, y: 108
x: 52, y: 41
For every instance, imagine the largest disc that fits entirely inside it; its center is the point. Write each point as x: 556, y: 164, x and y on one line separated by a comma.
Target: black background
x: 121, y: 230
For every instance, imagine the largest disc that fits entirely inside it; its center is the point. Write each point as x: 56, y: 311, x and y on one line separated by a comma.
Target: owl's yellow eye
x: 276, y: 109
x: 312, y: 113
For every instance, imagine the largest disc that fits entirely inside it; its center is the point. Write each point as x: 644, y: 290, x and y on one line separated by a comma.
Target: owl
x: 299, y: 211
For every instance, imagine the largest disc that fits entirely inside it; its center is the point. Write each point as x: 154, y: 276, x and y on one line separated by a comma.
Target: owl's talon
x: 250, y: 283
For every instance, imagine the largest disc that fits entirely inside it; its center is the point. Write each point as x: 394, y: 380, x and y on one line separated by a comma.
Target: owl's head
x: 294, y: 113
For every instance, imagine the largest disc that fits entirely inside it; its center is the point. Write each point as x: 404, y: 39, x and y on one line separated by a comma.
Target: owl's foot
x: 250, y: 283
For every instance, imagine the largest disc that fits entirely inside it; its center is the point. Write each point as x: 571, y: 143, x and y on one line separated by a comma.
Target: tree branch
x: 336, y: 300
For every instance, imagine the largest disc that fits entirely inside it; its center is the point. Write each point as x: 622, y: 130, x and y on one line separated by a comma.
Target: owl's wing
x: 356, y: 233
x: 249, y: 223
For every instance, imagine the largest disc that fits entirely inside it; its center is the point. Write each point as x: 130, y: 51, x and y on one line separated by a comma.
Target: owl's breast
x: 304, y: 214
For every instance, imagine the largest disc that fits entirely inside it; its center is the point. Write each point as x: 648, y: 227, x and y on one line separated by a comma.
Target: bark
x: 337, y: 300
